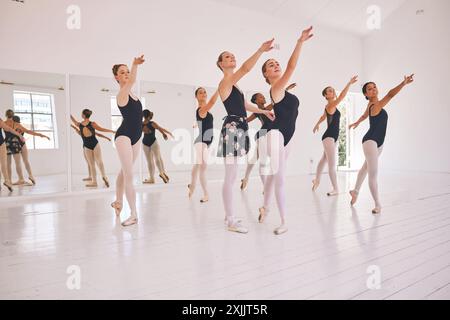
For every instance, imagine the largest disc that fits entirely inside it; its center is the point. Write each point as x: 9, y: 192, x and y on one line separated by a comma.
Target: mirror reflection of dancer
x: 260, y: 101
x: 3, y: 153
x: 77, y: 130
x: 22, y: 153
x: 127, y: 137
x: 275, y: 144
x: 91, y: 148
x: 205, y: 123
x: 373, y: 141
x: 151, y: 148
x: 234, y: 141
x: 331, y: 135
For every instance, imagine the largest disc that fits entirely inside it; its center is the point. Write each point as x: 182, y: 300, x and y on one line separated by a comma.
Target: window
x: 36, y: 112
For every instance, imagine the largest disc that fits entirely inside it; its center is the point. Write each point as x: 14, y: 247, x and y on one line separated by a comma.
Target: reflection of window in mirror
x: 37, y: 113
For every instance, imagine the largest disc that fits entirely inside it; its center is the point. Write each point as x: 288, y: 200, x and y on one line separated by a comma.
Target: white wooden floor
x: 180, y: 249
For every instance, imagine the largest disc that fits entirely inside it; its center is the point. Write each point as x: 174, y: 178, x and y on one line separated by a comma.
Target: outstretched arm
x: 344, y: 92
x: 76, y: 129
x: 123, y: 95
x: 321, y: 119
x: 74, y: 121
x: 251, y: 118
x: 33, y: 133
x: 97, y: 127
x: 252, y: 108
x: 102, y: 136
x: 361, y: 119
x: 279, y: 86
x: 393, y: 92
x: 163, y: 131
x: 204, y: 110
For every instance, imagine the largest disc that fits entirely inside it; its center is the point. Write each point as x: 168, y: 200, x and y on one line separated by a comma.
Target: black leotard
x: 286, y: 113
x: 150, y: 136
x: 264, y: 124
x: 206, y: 128
x: 2, y: 139
x: 333, y: 121
x: 378, y: 126
x: 131, y: 126
x: 91, y: 141
x: 235, y: 103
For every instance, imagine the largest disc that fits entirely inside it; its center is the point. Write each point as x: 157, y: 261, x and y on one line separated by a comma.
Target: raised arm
x: 279, y: 86
x: 321, y: 119
x: 124, y: 92
x: 97, y: 127
x: 344, y: 92
x: 163, y: 131
x: 76, y: 129
x: 74, y: 121
x: 204, y: 110
x: 252, y: 108
x: 361, y: 119
x: 393, y: 92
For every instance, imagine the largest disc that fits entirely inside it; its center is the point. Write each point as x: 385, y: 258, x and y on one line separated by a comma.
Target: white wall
x: 181, y: 40
x: 47, y: 83
x: 417, y: 137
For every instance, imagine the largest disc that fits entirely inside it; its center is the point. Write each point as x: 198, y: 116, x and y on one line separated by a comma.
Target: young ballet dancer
x: 3, y: 153
x: 205, y: 137
x: 274, y: 146
x: 127, y: 137
x: 260, y: 101
x: 19, y: 151
x: 373, y: 141
x: 151, y: 148
x: 331, y: 135
x: 234, y: 141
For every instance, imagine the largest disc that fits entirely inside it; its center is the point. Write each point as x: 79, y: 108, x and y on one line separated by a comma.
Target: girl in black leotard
x: 3, y: 153
x: 373, y: 141
x: 151, y: 148
x: 201, y: 144
x: 127, y: 137
x: 91, y: 147
x: 331, y: 135
x: 234, y: 141
x: 260, y: 101
x: 274, y: 146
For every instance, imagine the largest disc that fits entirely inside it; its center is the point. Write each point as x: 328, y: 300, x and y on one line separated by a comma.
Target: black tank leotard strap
x: 91, y: 141
x: 205, y: 126
x: 131, y: 126
x: 149, y: 136
x: 378, y: 127
x: 333, y: 122
x: 286, y: 113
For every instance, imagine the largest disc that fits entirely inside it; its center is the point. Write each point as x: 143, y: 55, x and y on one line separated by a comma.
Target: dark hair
x: 264, y: 68
x: 116, y: 67
x: 324, y: 91
x: 9, y: 113
x: 147, y: 114
x: 87, y: 113
x: 219, y: 59
x: 253, y: 99
x: 364, y: 88
x: 198, y: 89
x: 16, y: 119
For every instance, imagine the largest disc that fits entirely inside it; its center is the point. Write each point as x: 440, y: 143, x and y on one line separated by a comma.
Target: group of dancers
x: 13, y: 147
x: 273, y: 140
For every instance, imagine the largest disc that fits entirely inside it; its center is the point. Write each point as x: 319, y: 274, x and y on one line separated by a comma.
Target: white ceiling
x: 346, y: 15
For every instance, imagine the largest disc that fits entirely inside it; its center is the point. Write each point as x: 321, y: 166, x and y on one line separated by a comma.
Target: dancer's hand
x: 353, y: 126
x: 291, y: 86
x: 139, y: 60
x: 408, y: 79
x: 165, y: 136
x: 267, y: 46
x: 316, y: 128
x: 109, y: 139
x: 353, y: 80
x: 269, y: 114
x: 306, y: 35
